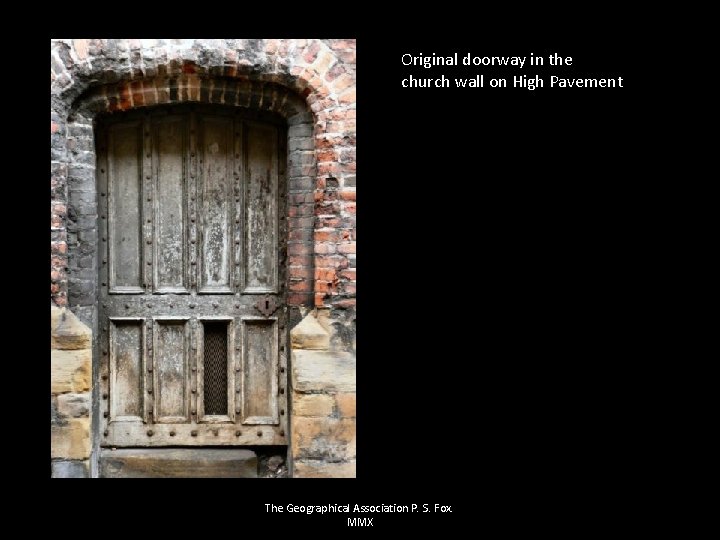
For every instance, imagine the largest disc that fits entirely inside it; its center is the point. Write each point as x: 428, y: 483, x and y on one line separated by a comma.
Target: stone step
x: 177, y: 463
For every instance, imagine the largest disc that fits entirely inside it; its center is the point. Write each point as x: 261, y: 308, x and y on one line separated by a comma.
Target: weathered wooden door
x: 192, y: 321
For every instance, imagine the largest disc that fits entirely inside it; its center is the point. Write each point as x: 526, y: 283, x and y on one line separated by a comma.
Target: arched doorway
x: 307, y: 83
x: 242, y: 288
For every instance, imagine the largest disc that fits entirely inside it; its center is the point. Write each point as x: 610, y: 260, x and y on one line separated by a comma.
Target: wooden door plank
x: 126, y: 370
x: 260, y: 264
x: 259, y: 358
x: 125, y: 168
x: 170, y: 202
x: 127, y: 434
x: 216, y: 209
x: 170, y: 369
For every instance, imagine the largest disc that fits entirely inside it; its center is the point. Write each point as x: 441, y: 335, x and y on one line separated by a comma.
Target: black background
x: 498, y: 235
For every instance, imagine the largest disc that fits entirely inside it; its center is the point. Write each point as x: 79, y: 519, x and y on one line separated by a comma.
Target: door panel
x: 260, y: 371
x: 124, y: 200
x: 216, y: 206
x: 190, y: 245
x: 170, y: 202
x: 170, y: 367
x: 126, y: 369
x: 261, y: 209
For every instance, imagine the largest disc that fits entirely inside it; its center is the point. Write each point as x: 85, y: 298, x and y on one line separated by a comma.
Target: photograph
x: 203, y: 258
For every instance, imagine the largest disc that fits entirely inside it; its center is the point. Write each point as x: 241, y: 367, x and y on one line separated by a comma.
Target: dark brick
x: 173, y: 88
x: 87, y: 235
x: 301, y: 118
x: 81, y: 177
x: 255, y: 94
x: 299, y: 158
x: 301, y: 183
x: 301, y: 223
x: 217, y: 92
x: 86, y: 222
x: 231, y: 94
x: 300, y: 130
x: 300, y: 143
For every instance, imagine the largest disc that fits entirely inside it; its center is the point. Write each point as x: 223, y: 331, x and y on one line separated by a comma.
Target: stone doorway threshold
x: 177, y: 463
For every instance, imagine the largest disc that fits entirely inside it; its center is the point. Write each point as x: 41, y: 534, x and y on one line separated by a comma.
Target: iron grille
x: 215, y: 368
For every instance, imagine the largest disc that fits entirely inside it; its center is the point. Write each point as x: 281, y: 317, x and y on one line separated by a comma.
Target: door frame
x: 301, y: 172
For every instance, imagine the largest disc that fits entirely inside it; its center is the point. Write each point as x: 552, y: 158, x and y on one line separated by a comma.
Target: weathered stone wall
x: 71, y: 376
x: 322, y: 401
x: 312, y: 84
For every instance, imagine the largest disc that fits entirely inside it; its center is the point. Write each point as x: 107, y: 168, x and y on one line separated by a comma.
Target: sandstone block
x: 71, y: 440
x: 346, y: 404
x: 70, y: 371
x: 178, y: 463
x: 308, y: 334
x: 74, y: 405
x: 67, y: 331
x: 320, y: 371
x: 323, y: 438
x: 312, y: 405
x: 321, y: 469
